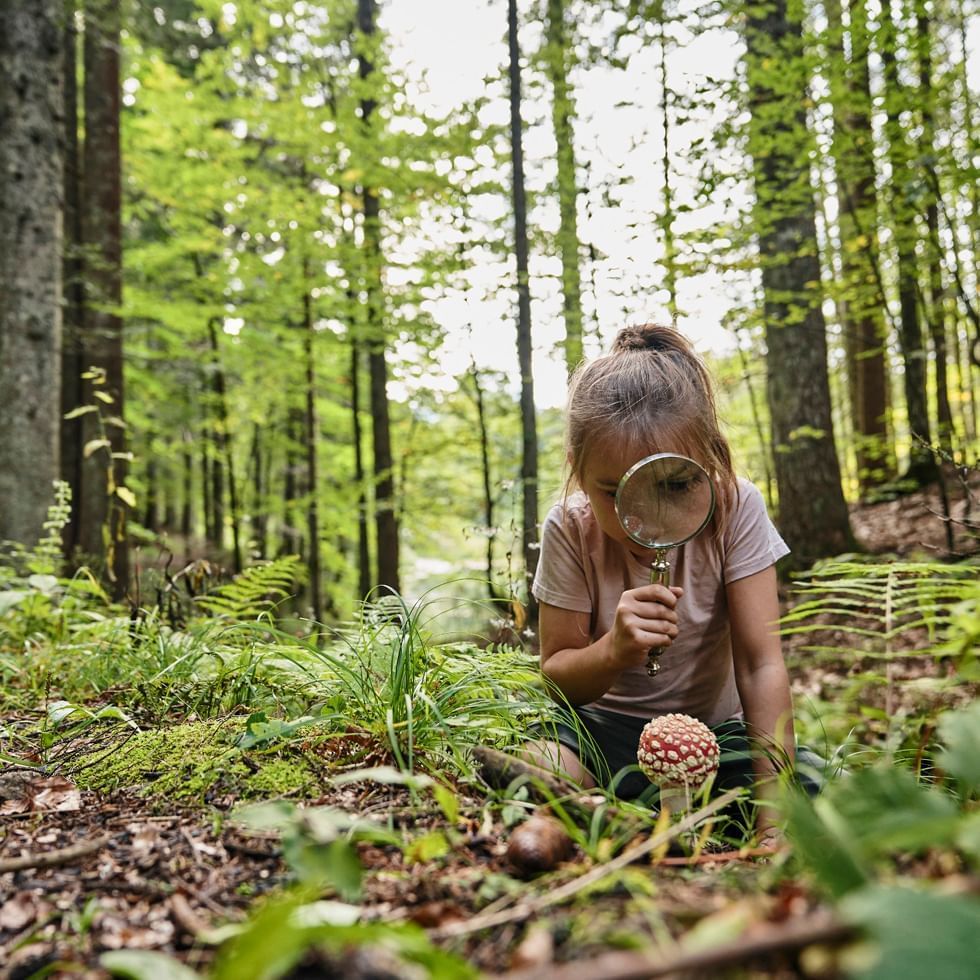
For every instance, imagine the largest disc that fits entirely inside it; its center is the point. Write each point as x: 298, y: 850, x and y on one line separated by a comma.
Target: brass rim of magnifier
x: 664, y: 546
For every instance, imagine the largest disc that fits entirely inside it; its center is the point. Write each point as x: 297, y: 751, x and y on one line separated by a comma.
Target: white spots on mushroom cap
x: 678, y: 750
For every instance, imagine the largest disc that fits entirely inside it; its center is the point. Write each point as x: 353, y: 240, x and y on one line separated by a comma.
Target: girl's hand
x: 645, y: 618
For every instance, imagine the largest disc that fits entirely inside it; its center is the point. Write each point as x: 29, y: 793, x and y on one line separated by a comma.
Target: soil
x: 83, y: 873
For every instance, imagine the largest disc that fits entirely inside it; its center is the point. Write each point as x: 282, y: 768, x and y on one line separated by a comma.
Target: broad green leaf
x: 145, y: 964
x: 960, y: 733
x: 825, y: 849
x: 46, y: 584
x: 11, y: 598
x: 888, y: 809
x: 917, y: 934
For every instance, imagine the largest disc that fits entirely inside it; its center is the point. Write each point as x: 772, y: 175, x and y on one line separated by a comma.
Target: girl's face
x: 603, y: 470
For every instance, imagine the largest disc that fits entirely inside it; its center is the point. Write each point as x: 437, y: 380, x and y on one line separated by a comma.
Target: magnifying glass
x: 662, y: 501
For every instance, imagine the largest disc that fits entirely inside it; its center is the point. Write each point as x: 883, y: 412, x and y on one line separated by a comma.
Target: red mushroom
x: 679, y: 754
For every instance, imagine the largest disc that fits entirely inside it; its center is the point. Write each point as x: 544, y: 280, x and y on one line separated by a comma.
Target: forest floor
x: 83, y: 872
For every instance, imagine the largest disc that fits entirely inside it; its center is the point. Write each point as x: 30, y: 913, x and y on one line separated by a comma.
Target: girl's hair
x: 651, y: 393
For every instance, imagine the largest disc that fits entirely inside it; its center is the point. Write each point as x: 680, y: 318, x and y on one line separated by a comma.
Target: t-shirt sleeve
x: 752, y: 542
x: 560, y: 579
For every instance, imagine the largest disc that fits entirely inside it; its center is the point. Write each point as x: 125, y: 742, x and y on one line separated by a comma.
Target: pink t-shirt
x: 581, y: 569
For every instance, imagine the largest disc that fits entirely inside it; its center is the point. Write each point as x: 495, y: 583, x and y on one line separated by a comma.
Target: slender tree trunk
x: 260, y: 514
x: 667, y: 217
x: 102, y: 512
x: 72, y: 364
x: 922, y: 467
x: 31, y: 182
x: 489, y: 517
x: 385, y: 509
x: 812, y: 512
x: 862, y: 303
x: 312, y: 467
x: 529, y: 439
x: 223, y: 447
x: 292, y: 539
x: 187, y: 495
x: 562, y: 114
x: 363, y: 538
x: 210, y: 532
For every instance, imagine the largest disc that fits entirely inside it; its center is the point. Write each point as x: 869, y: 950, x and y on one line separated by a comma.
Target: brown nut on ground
x: 539, y: 844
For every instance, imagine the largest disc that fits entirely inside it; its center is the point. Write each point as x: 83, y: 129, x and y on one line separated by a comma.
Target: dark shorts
x: 606, y: 742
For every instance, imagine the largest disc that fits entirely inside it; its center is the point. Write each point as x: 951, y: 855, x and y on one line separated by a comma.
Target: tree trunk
x: 72, y: 363
x: 562, y: 113
x: 385, y: 510
x: 102, y: 512
x: 363, y: 541
x: 812, y: 512
x: 31, y: 182
x: 312, y: 432
x: 922, y: 466
x: 936, y: 307
x: 862, y: 303
x: 667, y: 217
x: 529, y: 439
x: 489, y: 518
x: 187, y: 494
x: 223, y: 447
x: 260, y: 513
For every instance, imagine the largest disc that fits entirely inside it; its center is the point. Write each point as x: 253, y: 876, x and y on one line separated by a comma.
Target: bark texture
x: 812, y: 512
x: 31, y: 155
x: 529, y: 438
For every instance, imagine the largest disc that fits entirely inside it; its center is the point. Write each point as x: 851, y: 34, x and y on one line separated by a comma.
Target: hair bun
x: 648, y: 336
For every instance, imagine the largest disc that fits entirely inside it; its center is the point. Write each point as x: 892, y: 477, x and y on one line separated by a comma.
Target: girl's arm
x: 762, y: 679
x: 582, y: 670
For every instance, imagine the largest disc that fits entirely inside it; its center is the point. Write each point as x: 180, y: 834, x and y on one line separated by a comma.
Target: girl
x: 599, y: 615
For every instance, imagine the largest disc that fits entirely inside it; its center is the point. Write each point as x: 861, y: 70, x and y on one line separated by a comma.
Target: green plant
x: 860, y: 838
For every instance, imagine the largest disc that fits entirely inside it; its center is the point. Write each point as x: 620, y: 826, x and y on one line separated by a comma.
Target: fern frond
x: 257, y: 591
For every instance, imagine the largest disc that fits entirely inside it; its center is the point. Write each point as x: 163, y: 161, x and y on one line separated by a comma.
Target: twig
x: 528, y: 908
x: 785, y: 937
x: 49, y: 859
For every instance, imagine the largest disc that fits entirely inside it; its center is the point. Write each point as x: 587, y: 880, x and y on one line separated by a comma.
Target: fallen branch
x: 529, y: 908
x: 50, y: 859
x: 787, y: 937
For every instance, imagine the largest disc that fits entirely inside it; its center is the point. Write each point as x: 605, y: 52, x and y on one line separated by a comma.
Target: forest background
x: 284, y: 325
x: 265, y: 265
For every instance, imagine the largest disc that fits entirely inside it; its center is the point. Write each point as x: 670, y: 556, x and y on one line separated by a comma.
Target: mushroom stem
x: 675, y: 799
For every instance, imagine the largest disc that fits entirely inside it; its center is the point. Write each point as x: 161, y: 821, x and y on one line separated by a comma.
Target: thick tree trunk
x: 102, y: 513
x: 385, y: 510
x: 812, y: 512
x: 862, y: 303
x: 31, y: 183
x: 529, y: 437
x: 562, y: 114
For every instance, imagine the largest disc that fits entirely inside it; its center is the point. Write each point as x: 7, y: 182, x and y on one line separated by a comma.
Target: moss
x: 193, y: 761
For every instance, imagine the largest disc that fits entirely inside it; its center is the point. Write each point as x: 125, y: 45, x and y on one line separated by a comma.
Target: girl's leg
x: 559, y: 759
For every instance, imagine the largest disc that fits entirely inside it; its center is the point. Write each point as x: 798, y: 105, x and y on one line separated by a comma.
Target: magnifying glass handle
x: 659, y: 575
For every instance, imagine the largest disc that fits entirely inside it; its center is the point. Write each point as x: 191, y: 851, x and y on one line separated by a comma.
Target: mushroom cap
x: 678, y: 750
